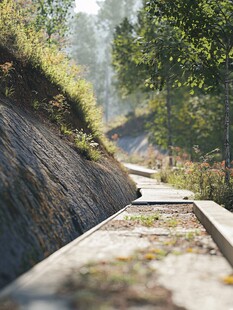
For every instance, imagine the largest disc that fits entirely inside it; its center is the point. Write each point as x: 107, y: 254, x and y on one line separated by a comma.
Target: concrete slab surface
x: 154, y: 191
x: 139, y: 170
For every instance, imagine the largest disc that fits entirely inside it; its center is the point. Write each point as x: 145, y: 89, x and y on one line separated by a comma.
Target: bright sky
x: 87, y: 6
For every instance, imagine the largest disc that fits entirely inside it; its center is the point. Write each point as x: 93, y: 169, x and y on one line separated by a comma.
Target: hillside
x: 57, y: 179
x: 133, y: 138
x: 49, y: 194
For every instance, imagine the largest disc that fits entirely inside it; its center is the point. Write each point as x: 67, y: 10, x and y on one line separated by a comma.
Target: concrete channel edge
x: 218, y: 222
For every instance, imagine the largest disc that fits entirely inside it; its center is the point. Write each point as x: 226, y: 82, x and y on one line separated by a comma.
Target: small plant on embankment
x: 5, y: 77
x: 45, y: 79
x: 86, y: 145
x: 205, y: 178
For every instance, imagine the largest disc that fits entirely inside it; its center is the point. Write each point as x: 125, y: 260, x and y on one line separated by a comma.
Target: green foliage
x: 147, y: 59
x: 131, y: 73
x: 36, y: 105
x: 58, y: 108
x: 172, y: 222
x: 146, y: 51
x: 181, y: 43
x: 110, y: 146
x: 49, y: 16
x: 9, y: 91
x: 72, y: 104
x: 86, y: 145
x: 207, y: 28
x: 29, y: 46
x: 205, y: 178
x: 65, y: 130
x: 52, y: 15
x: 145, y: 220
x: 196, y: 120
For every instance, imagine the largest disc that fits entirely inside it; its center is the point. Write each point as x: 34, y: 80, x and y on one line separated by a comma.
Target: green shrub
x: 65, y: 130
x: 86, y: 145
x: 206, y: 180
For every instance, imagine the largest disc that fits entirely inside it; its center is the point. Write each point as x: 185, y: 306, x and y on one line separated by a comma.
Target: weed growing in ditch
x: 190, y: 236
x: 172, y: 222
x: 117, y: 285
x: 145, y: 220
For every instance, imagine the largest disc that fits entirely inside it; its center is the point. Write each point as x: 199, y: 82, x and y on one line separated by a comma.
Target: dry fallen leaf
x: 228, y: 279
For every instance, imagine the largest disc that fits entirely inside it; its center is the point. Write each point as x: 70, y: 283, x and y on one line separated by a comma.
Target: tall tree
x: 208, y: 27
x: 126, y: 54
x: 196, y: 120
x: 101, y: 74
x: 51, y: 16
x: 110, y: 15
x: 84, y: 45
x: 153, y: 59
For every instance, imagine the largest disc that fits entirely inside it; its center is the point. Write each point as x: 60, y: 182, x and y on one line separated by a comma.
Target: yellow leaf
x: 124, y: 258
x: 228, y: 280
x: 150, y: 256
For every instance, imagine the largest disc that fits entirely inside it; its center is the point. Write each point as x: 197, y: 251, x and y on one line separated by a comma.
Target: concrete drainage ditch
x: 158, y: 255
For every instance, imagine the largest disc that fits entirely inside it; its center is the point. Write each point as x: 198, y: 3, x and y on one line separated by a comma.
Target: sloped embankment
x: 49, y: 194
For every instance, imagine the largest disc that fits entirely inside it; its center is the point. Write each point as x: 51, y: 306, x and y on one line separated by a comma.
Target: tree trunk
x: 169, y: 129
x: 227, y: 124
x: 107, y: 87
x: 106, y: 112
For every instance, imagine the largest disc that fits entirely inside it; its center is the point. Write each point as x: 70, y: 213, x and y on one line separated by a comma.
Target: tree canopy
x: 51, y: 16
x: 208, y: 28
x: 180, y: 43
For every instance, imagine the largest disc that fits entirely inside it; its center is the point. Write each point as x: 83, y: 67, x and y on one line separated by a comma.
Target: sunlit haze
x: 87, y: 6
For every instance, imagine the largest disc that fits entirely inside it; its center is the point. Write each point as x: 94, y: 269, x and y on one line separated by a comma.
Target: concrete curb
x: 219, y: 224
x: 160, y: 202
x: 134, y: 169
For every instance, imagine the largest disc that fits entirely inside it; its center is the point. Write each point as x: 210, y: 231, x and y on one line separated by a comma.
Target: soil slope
x: 49, y: 194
